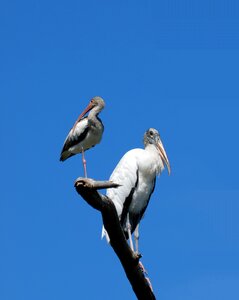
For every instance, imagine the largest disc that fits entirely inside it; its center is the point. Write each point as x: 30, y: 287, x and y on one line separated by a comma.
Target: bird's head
x: 152, y: 136
x: 96, y: 103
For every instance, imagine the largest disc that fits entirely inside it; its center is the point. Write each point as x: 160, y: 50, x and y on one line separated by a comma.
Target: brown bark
x: 87, y: 188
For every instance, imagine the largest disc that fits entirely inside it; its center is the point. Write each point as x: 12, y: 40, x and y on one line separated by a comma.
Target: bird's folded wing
x: 77, y: 136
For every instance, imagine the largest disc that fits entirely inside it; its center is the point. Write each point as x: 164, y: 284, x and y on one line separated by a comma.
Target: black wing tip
x: 65, y: 156
x: 62, y: 159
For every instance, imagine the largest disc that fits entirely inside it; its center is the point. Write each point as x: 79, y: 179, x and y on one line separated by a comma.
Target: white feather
x: 147, y: 163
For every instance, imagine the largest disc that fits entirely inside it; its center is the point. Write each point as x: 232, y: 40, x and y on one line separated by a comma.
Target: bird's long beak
x: 88, y: 108
x: 163, y: 155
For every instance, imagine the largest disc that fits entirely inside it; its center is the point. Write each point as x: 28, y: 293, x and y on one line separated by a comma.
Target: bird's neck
x: 94, y: 113
x: 154, y: 153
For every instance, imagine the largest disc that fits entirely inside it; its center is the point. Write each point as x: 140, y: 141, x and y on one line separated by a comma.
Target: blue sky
x: 172, y: 65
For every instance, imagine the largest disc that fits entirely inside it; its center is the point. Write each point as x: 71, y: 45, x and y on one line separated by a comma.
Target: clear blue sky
x: 172, y: 65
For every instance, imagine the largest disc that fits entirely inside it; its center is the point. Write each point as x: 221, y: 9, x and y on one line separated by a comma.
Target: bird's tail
x: 105, y: 234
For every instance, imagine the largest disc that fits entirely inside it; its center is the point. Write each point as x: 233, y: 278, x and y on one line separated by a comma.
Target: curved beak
x: 163, y: 155
x: 85, y: 111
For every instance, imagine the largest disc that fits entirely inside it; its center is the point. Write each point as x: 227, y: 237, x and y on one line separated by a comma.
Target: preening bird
x: 86, y: 132
x: 136, y: 173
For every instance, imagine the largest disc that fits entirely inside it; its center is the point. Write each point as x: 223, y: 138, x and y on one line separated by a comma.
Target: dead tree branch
x: 87, y: 188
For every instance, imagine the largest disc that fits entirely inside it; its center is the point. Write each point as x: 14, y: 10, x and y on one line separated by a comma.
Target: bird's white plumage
x: 136, y: 174
x: 148, y: 164
x: 141, y: 165
x: 80, y: 127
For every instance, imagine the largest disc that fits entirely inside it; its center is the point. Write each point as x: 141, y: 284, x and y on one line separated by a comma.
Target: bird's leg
x: 136, y: 238
x: 84, y: 162
x: 128, y: 226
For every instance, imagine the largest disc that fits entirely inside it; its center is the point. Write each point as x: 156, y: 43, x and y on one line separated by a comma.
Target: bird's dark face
x: 152, y: 136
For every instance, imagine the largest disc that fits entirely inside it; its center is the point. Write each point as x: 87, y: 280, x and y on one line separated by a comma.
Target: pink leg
x: 84, y: 162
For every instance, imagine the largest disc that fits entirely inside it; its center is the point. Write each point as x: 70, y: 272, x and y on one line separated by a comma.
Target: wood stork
x: 136, y: 173
x: 86, y: 132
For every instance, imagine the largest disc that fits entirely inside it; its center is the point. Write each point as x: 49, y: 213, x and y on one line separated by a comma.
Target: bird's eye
x: 151, y: 133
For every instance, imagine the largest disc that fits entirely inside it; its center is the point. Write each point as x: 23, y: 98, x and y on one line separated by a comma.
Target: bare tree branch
x: 87, y: 188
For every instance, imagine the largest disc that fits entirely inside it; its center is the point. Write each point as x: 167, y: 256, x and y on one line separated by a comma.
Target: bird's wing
x: 144, y: 209
x: 79, y: 134
x: 125, y: 174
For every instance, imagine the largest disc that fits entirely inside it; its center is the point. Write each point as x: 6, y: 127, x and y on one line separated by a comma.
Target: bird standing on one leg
x: 86, y: 132
x: 136, y: 174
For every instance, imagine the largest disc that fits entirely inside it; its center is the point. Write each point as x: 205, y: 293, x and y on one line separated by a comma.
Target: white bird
x: 86, y: 132
x: 136, y: 173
